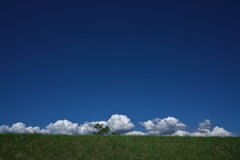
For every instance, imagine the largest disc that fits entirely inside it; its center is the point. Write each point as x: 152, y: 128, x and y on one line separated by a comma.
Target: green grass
x: 50, y: 147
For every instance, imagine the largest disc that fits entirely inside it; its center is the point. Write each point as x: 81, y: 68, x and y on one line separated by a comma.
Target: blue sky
x: 86, y: 61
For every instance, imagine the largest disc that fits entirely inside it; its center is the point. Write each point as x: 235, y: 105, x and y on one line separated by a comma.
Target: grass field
x: 49, y: 147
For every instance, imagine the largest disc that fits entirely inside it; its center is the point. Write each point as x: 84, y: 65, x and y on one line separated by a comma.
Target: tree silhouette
x: 103, y: 130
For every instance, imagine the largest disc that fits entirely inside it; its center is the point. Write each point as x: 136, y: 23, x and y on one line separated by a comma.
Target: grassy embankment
x: 49, y: 147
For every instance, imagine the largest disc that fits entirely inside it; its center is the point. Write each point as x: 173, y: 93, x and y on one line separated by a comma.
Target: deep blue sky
x: 86, y: 60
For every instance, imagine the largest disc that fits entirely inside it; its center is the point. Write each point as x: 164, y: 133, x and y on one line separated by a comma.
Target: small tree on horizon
x: 103, y: 130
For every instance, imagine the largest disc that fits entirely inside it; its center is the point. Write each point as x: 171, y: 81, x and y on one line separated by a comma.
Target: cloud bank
x: 19, y: 128
x: 164, y: 126
x: 123, y: 125
x: 204, y: 130
x: 117, y: 123
x: 135, y: 133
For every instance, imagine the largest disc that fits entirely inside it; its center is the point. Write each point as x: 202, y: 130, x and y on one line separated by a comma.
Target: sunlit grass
x: 37, y: 146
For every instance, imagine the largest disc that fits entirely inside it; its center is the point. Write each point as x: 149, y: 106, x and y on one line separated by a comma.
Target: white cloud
x: 164, y: 126
x: 205, y: 125
x: 62, y: 127
x: 19, y: 128
x: 135, y: 133
x: 181, y: 133
x: 88, y: 127
x: 4, y: 129
x: 204, y: 130
x: 217, y: 131
x: 149, y: 125
x: 117, y: 123
x: 120, y: 123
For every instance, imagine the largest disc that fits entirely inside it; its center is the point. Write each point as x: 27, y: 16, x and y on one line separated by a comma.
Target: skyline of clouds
x: 164, y: 126
x: 204, y: 130
x: 123, y: 125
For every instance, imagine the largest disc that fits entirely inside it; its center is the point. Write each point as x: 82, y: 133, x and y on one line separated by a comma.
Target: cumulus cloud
x: 121, y: 124
x: 181, y: 133
x: 69, y: 128
x: 172, y: 126
x: 88, y: 127
x: 62, y: 127
x: 204, y: 127
x: 117, y: 123
x: 204, y: 130
x: 135, y: 133
x: 164, y: 126
x: 217, y: 131
x: 19, y: 128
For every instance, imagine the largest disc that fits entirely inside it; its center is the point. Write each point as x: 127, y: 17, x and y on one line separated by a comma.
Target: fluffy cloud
x: 205, y: 125
x: 217, y: 131
x: 117, y: 123
x: 62, y: 127
x: 135, y: 133
x: 88, y: 127
x: 204, y: 130
x: 19, y: 128
x: 120, y: 123
x: 181, y: 133
x: 69, y: 128
x: 164, y: 126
